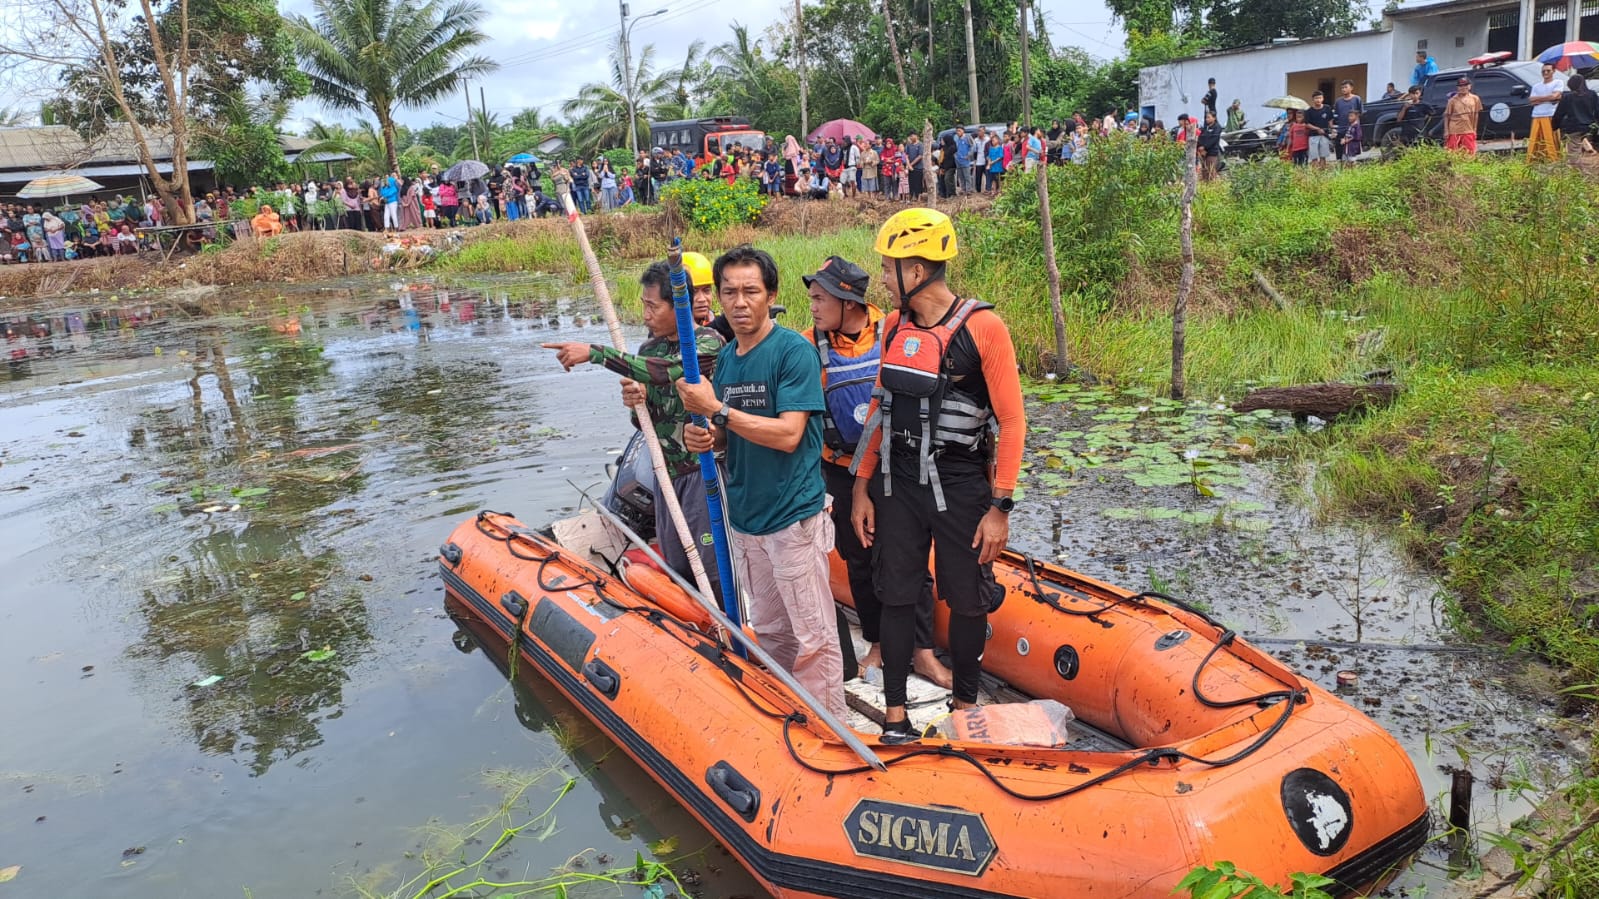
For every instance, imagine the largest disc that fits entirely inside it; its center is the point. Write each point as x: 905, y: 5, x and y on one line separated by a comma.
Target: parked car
x: 1503, y: 89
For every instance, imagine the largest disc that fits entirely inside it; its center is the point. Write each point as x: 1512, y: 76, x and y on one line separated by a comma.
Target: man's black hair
x: 659, y: 275
x: 744, y: 254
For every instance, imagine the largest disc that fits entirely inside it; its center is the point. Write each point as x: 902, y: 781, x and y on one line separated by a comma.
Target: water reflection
x: 632, y: 807
x: 254, y: 608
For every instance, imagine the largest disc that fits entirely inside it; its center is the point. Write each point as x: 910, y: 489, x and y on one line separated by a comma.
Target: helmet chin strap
x: 905, y: 295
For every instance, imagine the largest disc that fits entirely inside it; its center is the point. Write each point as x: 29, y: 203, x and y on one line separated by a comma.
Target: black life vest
x: 919, y: 404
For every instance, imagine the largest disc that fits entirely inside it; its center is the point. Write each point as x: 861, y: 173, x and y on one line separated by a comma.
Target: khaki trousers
x: 784, y: 574
x: 1541, y: 144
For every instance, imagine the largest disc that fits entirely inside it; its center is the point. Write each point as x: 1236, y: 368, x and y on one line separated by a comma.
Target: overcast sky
x: 548, y: 48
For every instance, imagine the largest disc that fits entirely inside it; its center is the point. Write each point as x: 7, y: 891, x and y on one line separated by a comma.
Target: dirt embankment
x: 324, y: 255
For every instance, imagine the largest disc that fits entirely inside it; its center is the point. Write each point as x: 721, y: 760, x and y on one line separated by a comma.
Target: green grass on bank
x: 1493, y: 474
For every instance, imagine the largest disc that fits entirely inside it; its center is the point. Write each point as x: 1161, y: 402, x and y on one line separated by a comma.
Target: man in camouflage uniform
x: 652, y: 373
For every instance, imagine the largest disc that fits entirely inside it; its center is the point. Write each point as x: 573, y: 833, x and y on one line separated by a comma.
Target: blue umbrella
x: 523, y: 159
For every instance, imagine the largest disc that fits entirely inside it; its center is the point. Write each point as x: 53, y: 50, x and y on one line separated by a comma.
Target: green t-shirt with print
x: 767, y: 489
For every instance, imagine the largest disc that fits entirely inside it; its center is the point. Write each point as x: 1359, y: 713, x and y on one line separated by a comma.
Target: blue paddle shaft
x: 688, y: 346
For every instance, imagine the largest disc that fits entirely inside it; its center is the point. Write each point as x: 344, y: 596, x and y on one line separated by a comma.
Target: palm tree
x: 364, y: 142
x: 600, y: 110
x: 387, y: 54
x: 10, y: 118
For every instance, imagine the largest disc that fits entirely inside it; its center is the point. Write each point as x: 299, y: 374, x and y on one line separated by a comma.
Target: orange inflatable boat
x: 1223, y: 753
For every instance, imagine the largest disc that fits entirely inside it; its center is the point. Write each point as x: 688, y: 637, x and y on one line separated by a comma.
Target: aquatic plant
x: 469, y: 859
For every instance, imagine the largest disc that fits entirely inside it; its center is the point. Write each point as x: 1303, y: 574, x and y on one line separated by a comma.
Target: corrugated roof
x: 102, y: 171
x: 35, y: 151
x: 59, y: 147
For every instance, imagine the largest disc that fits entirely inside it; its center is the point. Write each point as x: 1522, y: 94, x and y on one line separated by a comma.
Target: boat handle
x: 603, y: 677
x: 740, y: 795
x: 515, y: 603
x: 451, y: 553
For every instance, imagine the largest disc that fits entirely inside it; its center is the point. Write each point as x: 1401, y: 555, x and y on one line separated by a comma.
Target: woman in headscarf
x: 55, y: 234
x: 411, y: 205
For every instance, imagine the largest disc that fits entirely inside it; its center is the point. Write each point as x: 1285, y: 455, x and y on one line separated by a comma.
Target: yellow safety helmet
x: 920, y: 232
x: 698, y: 269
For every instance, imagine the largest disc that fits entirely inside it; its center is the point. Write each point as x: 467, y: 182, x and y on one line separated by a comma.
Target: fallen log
x: 1325, y: 401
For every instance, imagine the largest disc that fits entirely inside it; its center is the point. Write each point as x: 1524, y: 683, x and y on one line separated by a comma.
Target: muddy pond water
x: 226, y: 665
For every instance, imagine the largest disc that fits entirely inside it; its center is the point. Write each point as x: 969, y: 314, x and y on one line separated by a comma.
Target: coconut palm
x: 599, y: 111
x: 364, y: 142
x: 387, y: 54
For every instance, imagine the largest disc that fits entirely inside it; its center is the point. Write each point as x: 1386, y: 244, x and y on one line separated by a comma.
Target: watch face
x: 1004, y: 504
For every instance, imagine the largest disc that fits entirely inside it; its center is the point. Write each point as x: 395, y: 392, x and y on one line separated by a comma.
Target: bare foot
x: 927, y: 665
x: 872, y: 659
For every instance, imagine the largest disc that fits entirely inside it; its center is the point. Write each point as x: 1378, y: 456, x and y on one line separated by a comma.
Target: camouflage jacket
x: 657, y: 366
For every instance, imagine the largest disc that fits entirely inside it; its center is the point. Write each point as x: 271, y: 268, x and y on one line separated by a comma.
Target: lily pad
x: 10, y: 873
x: 244, y: 492
x: 208, y: 681
x: 319, y: 655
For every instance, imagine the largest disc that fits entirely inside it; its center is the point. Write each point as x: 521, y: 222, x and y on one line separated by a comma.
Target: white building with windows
x: 1452, y: 32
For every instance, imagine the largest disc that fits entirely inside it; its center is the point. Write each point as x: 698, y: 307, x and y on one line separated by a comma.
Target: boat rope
x: 1288, y: 698
x: 1053, y: 600
x: 683, y: 632
x: 1147, y: 757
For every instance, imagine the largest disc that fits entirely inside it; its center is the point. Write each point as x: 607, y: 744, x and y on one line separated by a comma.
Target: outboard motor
x: 631, y: 495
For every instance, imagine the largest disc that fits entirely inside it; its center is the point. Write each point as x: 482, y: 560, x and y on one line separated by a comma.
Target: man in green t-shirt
x: 656, y: 366
x: 765, y: 407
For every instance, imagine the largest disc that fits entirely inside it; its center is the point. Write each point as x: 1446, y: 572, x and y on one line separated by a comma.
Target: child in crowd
x: 1353, y: 139
x: 430, y: 216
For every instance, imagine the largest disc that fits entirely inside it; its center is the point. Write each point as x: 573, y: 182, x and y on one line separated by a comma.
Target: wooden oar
x: 663, y: 479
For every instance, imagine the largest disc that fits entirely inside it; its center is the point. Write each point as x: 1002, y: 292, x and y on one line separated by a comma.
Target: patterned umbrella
x: 56, y: 186
x: 465, y: 170
x: 1571, y: 55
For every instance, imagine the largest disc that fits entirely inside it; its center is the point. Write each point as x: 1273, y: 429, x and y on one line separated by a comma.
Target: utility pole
x: 627, y: 85
x: 971, y: 67
x: 471, y: 127
x: 1027, y: 75
x: 799, y: 44
x: 483, y: 113
x: 932, y: 82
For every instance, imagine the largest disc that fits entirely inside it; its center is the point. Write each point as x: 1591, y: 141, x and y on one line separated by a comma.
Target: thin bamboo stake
x: 1185, y: 285
x: 602, y: 292
x: 1047, y: 226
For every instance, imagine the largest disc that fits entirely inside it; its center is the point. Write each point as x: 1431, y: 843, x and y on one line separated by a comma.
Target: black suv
x: 1503, y: 89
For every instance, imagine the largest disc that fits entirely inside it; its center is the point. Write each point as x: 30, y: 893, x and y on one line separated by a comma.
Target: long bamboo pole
x: 838, y: 728
x: 657, y: 459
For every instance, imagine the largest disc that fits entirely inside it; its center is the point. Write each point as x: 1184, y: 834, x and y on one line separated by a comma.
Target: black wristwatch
x: 720, y: 418
x: 1003, y: 504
